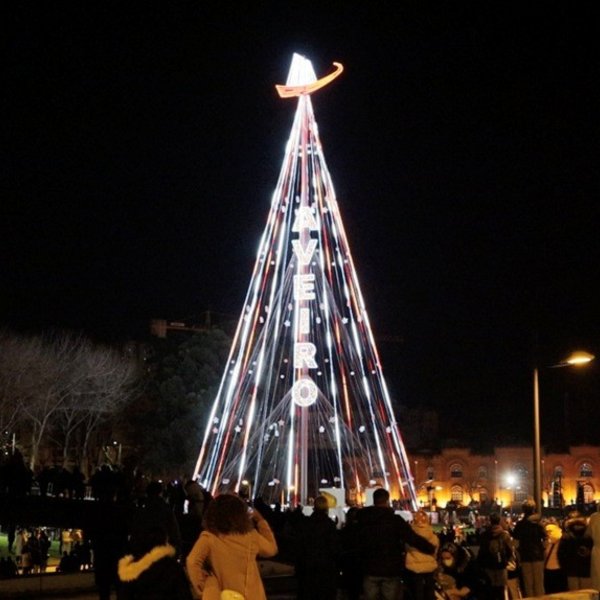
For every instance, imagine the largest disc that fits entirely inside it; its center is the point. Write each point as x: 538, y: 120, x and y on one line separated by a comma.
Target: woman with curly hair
x: 224, y: 556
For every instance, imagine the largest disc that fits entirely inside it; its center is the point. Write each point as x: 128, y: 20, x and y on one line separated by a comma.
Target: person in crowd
x: 382, y: 538
x: 224, y: 556
x: 11, y: 535
x: 44, y: 547
x: 20, y: 541
x: 28, y: 554
x: 155, y: 510
x: 420, y: 566
x: 107, y: 533
x: 77, y: 484
x: 350, y: 563
x: 196, y: 497
x: 69, y: 563
x: 495, y: 552
x: 317, y: 551
x: 458, y: 574
x: 8, y: 568
x: 151, y: 571
x: 575, y: 552
x: 104, y: 483
x: 191, y: 522
x: 593, y: 531
x: 531, y: 536
x: 17, y: 475
x: 34, y: 549
x: 555, y: 579
x: 513, y: 573
x: 66, y: 541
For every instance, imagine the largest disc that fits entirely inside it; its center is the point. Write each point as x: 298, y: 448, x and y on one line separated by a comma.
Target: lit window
x: 586, y: 470
x: 456, y: 494
x: 456, y: 471
x: 521, y: 496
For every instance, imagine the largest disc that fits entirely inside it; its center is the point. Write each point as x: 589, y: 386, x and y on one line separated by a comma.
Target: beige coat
x: 417, y: 561
x: 232, y: 558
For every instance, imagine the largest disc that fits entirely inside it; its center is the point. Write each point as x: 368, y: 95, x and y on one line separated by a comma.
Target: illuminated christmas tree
x: 303, y: 404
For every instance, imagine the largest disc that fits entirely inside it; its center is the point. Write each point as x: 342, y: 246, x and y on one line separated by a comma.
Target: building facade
x: 506, y: 476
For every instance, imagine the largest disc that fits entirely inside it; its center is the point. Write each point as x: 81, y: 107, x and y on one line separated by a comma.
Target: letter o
x: 305, y: 392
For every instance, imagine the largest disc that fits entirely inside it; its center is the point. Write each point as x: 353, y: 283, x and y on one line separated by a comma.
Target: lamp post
x: 578, y: 358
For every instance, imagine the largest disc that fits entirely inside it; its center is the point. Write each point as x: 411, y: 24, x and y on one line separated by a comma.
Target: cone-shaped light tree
x: 303, y: 404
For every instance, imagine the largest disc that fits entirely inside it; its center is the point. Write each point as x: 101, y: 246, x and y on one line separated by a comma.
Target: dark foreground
x: 80, y: 586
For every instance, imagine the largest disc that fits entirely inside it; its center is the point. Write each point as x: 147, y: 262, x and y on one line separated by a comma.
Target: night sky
x: 143, y: 143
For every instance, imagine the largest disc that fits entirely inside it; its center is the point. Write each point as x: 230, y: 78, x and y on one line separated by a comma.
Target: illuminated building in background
x: 303, y: 404
x: 505, y: 476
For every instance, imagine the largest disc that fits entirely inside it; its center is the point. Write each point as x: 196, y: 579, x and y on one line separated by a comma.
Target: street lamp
x: 578, y: 358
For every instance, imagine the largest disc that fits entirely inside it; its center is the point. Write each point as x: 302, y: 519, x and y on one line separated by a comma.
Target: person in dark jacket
x: 152, y: 572
x: 107, y: 532
x: 495, y: 552
x: 350, y: 563
x: 156, y: 511
x: 382, y: 537
x: 575, y: 552
x: 531, y: 537
x: 317, y: 551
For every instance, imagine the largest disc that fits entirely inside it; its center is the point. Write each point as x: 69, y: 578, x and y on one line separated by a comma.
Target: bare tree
x: 53, y: 377
x: 107, y: 380
x: 60, y: 383
x: 11, y: 377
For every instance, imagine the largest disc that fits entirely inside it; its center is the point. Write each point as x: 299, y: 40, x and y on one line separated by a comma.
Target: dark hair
x: 494, y: 519
x: 227, y: 513
x: 154, y: 489
x: 144, y: 539
x: 528, y: 507
x: 380, y: 496
x: 321, y: 504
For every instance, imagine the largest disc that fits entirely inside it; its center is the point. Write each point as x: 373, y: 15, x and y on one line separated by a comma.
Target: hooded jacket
x: 575, y: 550
x: 154, y: 576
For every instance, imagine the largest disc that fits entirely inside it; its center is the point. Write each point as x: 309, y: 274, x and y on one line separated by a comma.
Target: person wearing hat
x: 575, y: 552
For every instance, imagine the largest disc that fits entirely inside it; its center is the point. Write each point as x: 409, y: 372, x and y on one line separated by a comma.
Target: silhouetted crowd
x: 155, y: 540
